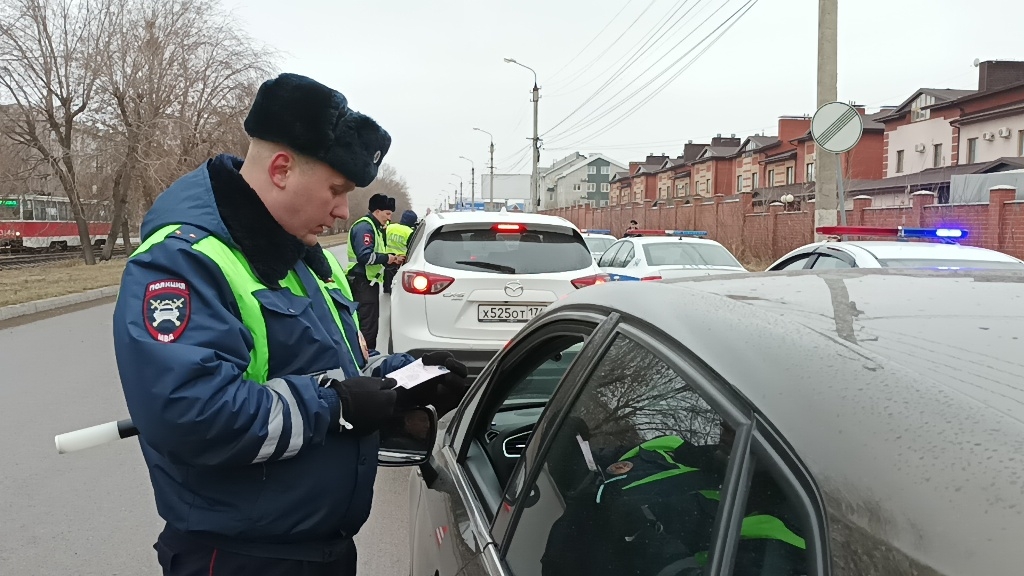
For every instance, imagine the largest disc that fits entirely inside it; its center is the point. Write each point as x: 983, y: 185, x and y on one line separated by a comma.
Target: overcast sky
x: 431, y: 70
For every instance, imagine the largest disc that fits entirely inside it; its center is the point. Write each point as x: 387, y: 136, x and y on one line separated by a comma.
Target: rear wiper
x: 488, y: 265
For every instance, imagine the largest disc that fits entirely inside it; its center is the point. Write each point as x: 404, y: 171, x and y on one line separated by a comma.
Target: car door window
x: 795, y: 263
x: 630, y: 482
x: 518, y: 395
x: 828, y: 262
x: 609, y: 256
x: 774, y: 526
x: 624, y: 256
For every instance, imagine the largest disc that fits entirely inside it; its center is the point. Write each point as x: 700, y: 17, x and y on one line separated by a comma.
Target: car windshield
x: 598, y: 244
x: 677, y: 253
x: 949, y: 264
x: 534, y: 251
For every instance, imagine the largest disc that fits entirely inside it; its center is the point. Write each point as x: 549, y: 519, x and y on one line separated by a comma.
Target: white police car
x: 598, y: 241
x: 900, y: 253
x: 661, y: 254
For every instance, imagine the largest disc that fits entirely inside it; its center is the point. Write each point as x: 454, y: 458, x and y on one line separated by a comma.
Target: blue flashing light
x: 950, y: 233
x: 694, y: 233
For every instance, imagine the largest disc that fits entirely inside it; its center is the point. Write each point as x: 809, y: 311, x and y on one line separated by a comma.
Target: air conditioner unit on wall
x: 1004, y: 132
x: 988, y: 136
x: 918, y: 147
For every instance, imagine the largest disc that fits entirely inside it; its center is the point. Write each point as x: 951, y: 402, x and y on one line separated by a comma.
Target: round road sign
x: 837, y: 127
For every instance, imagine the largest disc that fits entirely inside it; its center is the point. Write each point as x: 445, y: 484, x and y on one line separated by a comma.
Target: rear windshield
x: 484, y: 250
x: 949, y: 264
x: 688, y: 254
x: 598, y: 244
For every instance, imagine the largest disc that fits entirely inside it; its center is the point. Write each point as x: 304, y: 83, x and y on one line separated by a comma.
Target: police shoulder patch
x: 367, y: 239
x: 166, y: 309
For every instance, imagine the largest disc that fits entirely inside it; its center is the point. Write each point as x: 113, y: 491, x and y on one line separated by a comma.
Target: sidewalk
x: 48, y: 304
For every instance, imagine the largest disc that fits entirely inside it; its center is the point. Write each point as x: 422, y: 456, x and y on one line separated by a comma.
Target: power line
x: 639, y: 50
x: 583, y: 123
x: 583, y: 70
x: 592, y: 40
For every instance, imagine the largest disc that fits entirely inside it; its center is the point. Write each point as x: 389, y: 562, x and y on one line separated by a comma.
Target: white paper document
x: 416, y: 373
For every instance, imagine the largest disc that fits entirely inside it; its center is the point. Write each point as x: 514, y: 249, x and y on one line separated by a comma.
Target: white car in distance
x: 471, y: 280
x: 666, y: 254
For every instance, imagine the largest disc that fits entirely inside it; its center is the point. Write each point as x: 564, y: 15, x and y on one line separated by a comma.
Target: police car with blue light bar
x: 661, y: 254
x: 941, y: 253
x: 597, y: 241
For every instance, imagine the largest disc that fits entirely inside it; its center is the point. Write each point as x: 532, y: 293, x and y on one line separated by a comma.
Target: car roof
x: 884, y: 250
x: 443, y: 218
x: 901, y: 390
x: 592, y: 235
x: 666, y: 239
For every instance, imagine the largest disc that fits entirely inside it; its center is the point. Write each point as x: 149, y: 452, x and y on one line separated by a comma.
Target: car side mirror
x: 408, y: 438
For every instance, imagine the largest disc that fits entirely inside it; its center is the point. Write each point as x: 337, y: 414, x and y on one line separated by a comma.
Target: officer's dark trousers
x: 182, y: 555
x: 368, y: 299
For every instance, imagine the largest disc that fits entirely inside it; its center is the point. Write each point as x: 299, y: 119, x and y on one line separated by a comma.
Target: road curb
x: 16, y: 310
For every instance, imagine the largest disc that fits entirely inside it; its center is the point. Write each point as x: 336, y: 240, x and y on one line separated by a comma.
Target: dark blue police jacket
x: 364, y: 251
x: 247, y: 467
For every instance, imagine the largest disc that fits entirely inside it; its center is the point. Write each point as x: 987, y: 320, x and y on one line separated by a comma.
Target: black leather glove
x: 443, y: 392
x: 366, y: 403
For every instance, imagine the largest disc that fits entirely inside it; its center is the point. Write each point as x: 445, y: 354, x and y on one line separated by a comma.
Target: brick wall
x: 760, y: 238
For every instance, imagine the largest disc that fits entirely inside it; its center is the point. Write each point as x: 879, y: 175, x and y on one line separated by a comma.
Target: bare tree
x: 390, y: 183
x: 48, y: 70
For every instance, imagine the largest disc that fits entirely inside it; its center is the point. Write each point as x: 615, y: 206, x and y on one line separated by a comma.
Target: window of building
x: 937, y: 155
x: 972, y: 150
x: 810, y: 172
x: 790, y: 177
x: 591, y: 169
x: 577, y: 187
x: 606, y: 169
x: 753, y: 180
x: 591, y: 187
x: 899, y: 161
x: 606, y: 187
x: 739, y: 184
x: 709, y: 186
x: 922, y: 101
x: 1020, y: 143
x: 771, y: 178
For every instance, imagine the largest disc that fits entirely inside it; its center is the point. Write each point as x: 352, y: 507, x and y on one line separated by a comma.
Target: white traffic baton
x: 95, y: 436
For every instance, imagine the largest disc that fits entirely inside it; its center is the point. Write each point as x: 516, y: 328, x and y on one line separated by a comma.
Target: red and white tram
x: 34, y: 222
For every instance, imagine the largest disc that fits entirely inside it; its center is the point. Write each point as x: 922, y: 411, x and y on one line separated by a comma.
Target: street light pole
x: 491, y: 200
x: 472, y: 184
x: 462, y: 197
x: 534, y: 179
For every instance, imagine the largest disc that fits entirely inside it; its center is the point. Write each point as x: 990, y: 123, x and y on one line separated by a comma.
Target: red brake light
x: 590, y: 280
x: 425, y: 283
x: 650, y: 278
x: 509, y: 228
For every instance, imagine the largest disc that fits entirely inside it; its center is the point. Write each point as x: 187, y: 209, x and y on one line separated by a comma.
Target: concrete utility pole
x: 472, y: 184
x: 490, y: 201
x: 826, y: 195
x: 534, y: 176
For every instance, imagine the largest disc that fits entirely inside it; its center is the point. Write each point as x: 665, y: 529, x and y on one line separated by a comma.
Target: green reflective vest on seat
x: 754, y: 526
x: 244, y: 284
x: 398, y: 238
x: 374, y: 272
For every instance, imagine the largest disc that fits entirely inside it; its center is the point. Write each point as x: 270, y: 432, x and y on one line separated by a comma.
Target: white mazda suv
x: 471, y: 280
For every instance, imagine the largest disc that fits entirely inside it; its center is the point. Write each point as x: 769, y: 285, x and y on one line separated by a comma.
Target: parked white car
x: 473, y: 279
x: 666, y: 254
x: 598, y: 241
x: 894, y: 254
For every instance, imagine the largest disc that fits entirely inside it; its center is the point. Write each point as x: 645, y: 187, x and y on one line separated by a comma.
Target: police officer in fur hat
x: 368, y: 257
x: 237, y: 345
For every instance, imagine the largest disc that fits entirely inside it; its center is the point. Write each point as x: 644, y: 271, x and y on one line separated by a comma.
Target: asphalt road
x: 92, y: 512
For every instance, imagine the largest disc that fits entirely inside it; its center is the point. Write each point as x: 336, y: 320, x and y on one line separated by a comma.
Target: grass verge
x: 71, y: 277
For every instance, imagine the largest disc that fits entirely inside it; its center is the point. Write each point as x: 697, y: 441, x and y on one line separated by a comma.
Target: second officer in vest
x: 228, y: 316
x: 367, y: 257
